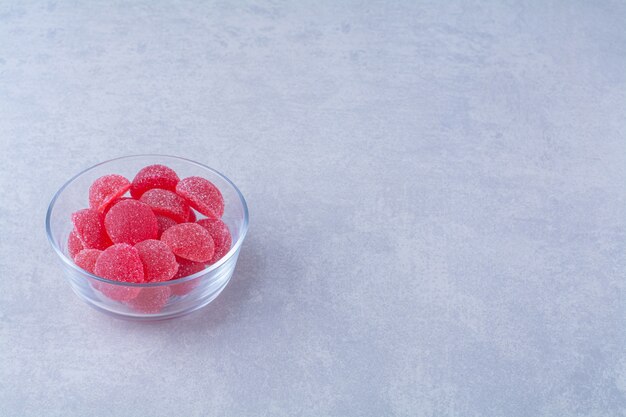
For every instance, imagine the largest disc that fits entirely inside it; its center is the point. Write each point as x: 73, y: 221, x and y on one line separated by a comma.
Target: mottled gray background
x: 437, y: 194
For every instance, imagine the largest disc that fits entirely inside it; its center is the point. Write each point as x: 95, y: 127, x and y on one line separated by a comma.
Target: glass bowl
x: 147, y: 301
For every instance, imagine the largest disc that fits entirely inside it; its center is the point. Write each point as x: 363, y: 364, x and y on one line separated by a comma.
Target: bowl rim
x: 66, y: 260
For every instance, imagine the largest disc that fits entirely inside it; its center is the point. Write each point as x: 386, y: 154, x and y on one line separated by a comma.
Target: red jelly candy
x: 105, y: 190
x: 153, y: 176
x: 159, y: 263
x: 164, y: 223
x: 202, y: 195
x: 120, y: 262
x: 87, y: 258
x: 131, y: 221
x: 192, y: 216
x: 186, y: 268
x: 167, y: 203
x: 221, y: 237
x: 190, y: 241
x: 90, y: 230
x: 150, y: 300
x: 74, y: 244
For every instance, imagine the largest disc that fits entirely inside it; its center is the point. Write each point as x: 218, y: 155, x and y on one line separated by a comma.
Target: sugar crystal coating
x: 153, y: 176
x: 221, y: 237
x: 190, y: 241
x: 164, y: 223
x: 150, y: 300
x: 131, y: 221
x: 120, y: 262
x: 74, y: 244
x: 202, y: 195
x: 90, y: 229
x: 105, y: 190
x: 87, y: 258
x: 167, y: 203
x: 159, y: 262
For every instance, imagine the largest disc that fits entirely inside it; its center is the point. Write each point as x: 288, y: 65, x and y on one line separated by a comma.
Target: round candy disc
x: 167, y: 203
x: 87, y: 258
x: 131, y: 221
x: 202, y: 195
x: 221, y: 237
x: 153, y: 176
x: 158, y: 260
x: 90, y: 230
x: 105, y: 190
x: 190, y: 241
x: 120, y: 262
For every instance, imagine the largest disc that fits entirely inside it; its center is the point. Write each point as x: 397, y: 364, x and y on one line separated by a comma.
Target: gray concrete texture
x: 437, y: 194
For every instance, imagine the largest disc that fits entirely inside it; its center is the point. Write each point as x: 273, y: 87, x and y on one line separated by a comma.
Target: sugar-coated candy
x: 159, y: 263
x: 74, y: 244
x: 186, y: 268
x: 87, y: 258
x: 221, y: 237
x: 190, y: 241
x: 150, y: 300
x: 153, y: 176
x: 105, y: 190
x: 131, y: 221
x: 153, y: 237
x: 164, y: 223
x: 202, y: 195
x: 90, y: 229
x: 120, y: 262
x: 167, y: 203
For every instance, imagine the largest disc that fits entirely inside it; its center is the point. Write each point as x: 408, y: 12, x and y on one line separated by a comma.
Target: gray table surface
x: 437, y: 194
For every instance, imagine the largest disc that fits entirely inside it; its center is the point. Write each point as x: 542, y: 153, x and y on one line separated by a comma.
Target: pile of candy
x: 151, y: 236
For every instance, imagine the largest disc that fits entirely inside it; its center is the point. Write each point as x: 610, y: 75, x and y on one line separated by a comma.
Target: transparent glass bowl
x: 149, y: 301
